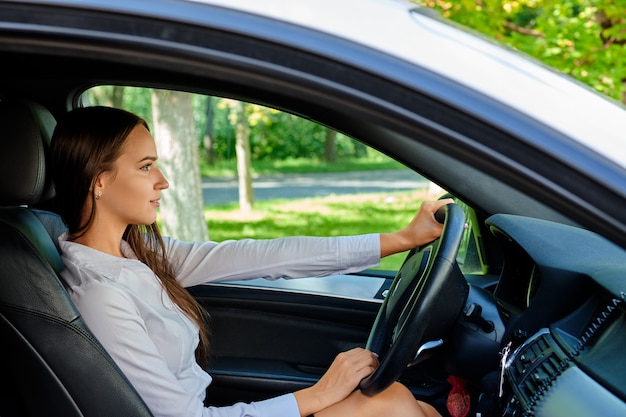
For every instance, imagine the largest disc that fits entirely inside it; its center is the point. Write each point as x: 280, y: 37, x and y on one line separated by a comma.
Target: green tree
x: 244, y: 168
x: 330, y: 148
x: 241, y: 116
x: 111, y: 95
x: 582, y: 38
x: 207, y: 139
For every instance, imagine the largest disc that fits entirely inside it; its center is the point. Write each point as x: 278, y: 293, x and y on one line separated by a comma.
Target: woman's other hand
x: 339, y: 381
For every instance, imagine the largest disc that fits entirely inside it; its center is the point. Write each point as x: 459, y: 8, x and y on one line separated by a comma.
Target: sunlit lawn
x: 325, y: 216
x: 228, y: 168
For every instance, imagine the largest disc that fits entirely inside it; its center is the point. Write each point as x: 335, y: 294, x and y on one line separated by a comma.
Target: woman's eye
x: 146, y: 167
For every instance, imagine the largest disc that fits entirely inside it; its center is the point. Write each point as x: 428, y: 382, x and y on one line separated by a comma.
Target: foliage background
x: 585, y: 39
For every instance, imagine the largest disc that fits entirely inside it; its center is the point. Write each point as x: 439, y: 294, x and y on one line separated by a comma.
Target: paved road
x: 223, y: 191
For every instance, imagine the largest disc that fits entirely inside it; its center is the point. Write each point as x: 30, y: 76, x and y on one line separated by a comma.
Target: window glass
x: 240, y: 170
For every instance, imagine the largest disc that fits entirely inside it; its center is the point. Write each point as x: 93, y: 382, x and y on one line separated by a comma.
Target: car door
x: 269, y: 341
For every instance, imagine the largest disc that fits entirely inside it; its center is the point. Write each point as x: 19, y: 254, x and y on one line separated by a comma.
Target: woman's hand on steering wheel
x: 339, y: 381
x: 422, y: 229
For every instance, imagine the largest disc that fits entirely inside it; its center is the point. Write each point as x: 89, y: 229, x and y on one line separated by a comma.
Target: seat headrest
x: 26, y: 129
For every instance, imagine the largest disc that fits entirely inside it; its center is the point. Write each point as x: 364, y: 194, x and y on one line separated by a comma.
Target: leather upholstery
x: 26, y: 131
x: 50, y: 363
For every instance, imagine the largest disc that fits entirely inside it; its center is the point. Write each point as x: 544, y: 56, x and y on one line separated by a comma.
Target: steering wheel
x: 424, y: 301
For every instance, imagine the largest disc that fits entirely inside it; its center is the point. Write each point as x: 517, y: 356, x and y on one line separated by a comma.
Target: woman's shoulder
x: 87, y: 266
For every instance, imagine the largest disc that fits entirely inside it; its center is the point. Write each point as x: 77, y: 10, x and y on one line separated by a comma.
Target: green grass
x: 228, y: 169
x: 327, y: 216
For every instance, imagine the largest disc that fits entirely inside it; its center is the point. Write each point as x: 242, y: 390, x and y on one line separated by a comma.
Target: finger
x: 436, y: 205
x: 357, y: 358
x: 355, y: 364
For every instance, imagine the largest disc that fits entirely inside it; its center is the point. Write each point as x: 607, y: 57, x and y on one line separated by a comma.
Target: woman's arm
x: 297, y: 257
x: 288, y: 257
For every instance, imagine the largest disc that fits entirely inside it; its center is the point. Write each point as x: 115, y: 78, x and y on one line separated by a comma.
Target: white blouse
x: 154, y: 343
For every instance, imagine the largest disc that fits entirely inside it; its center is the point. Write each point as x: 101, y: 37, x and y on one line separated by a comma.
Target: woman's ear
x: 101, y: 180
x: 97, y: 187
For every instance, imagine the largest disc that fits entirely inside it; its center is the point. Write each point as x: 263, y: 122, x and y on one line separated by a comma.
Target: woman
x: 129, y: 283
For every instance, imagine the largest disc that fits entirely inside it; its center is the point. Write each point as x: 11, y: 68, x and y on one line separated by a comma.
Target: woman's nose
x: 162, y: 183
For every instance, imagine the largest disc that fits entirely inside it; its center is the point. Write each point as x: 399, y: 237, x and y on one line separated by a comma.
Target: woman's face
x: 130, y: 193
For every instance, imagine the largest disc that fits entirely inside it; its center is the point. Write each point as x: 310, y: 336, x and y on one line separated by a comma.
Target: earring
x: 99, y: 195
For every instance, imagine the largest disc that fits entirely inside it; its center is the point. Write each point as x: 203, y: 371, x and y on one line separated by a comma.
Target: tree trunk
x: 242, y: 147
x: 117, y: 96
x: 207, y: 140
x: 330, y: 149
x: 182, y: 211
x: 360, y: 150
x: 108, y: 96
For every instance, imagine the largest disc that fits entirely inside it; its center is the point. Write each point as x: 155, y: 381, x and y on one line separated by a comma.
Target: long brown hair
x: 86, y: 143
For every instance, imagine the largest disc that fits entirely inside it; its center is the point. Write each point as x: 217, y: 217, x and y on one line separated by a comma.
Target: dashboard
x: 558, y: 309
x: 561, y: 293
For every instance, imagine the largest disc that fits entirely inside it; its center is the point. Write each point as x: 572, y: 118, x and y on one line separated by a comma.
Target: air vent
x: 536, y: 364
x: 534, y: 367
x: 599, y: 322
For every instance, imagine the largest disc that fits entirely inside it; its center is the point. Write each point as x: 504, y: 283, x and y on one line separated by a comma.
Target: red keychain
x: 458, y: 402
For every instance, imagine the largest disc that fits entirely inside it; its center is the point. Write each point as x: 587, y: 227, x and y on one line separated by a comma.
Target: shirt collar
x: 85, y: 257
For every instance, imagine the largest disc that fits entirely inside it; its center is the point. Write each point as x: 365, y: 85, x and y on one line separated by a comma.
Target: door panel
x: 267, y: 342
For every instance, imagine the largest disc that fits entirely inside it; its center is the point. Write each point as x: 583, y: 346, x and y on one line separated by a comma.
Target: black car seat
x: 50, y: 363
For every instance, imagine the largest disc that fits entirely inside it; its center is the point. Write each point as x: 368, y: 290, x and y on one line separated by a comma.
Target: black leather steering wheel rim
x: 420, y: 306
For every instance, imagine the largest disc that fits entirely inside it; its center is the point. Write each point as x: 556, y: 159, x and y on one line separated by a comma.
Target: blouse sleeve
x: 285, y: 405
x: 288, y: 257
